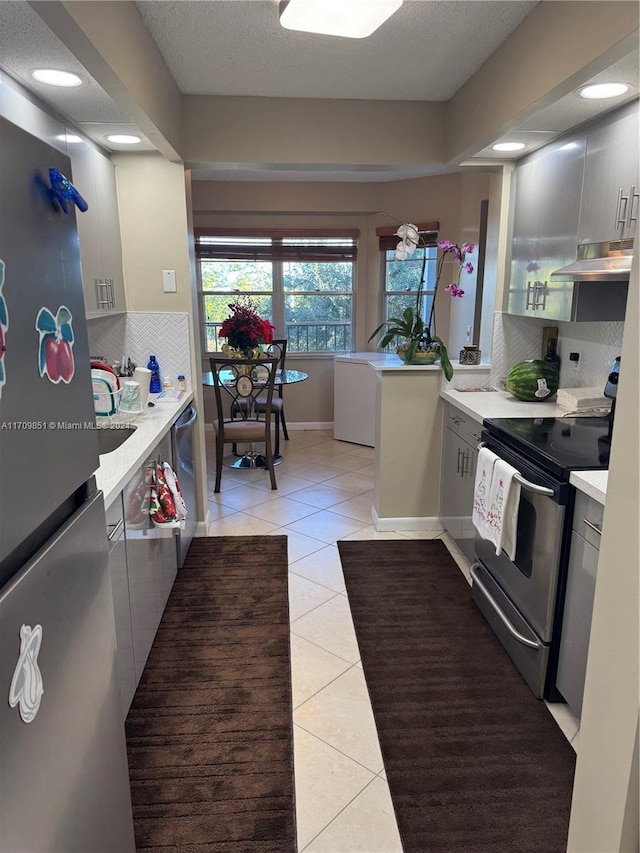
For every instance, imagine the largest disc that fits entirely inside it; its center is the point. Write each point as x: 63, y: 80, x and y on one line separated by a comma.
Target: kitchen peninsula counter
x: 117, y: 467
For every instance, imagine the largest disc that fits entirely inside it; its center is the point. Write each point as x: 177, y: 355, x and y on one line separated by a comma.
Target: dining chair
x: 243, y: 380
x: 277, y: 349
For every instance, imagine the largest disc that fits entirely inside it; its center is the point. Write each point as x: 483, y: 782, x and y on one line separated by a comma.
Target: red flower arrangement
x: 245, y: 329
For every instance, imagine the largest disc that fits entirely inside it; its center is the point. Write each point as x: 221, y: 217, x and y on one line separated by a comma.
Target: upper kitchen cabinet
x: 611, y: 195
x: 546, y: 216
x: 98, y: 231
x: 582, y: 188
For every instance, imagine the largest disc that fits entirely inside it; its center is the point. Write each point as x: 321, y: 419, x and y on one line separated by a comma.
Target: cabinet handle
x: 536, y: 295
x: 593, y: 526
x: 633, y: 206
x: 456, y: 420
x: 469, y: 466
x: 458, y: 462
x: 114, y: 529
x: 531, y: 296
x: 540, y: 295
x: 104, y: 293
x: 621, y: 218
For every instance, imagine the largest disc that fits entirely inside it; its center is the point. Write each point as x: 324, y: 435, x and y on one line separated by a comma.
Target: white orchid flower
x: 402, y: 252
x: 409, y: 233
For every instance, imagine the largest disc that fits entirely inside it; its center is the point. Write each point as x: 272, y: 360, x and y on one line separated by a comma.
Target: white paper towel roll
x: 142, y: 375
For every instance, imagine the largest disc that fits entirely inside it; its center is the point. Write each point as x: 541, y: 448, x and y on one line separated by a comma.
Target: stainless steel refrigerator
x: 64, y: 783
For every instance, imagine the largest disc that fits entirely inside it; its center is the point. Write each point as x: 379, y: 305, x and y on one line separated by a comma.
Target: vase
x: 427, y: 355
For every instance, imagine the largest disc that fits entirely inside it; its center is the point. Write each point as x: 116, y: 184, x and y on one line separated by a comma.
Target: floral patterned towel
x: 502, y: 514
x: 484, y: 474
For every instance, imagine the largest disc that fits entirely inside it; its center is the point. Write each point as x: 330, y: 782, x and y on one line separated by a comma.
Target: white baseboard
x: 311, y: 425
x: 388, y: 525
x: 203, y: 526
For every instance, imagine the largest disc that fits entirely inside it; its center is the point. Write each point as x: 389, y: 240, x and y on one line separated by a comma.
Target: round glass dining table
x: 256, y: 460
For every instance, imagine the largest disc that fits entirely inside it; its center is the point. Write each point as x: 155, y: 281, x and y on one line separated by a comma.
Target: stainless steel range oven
x: 523, y: 598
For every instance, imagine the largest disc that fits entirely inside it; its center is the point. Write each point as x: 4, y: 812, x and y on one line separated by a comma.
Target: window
x: 400, y: 279
x: 302, y: 282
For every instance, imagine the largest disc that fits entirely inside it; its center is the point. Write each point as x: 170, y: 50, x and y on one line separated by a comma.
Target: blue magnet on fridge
x: 63, y: 191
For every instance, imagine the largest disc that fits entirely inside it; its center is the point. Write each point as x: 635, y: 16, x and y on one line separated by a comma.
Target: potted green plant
x: 418, y: 342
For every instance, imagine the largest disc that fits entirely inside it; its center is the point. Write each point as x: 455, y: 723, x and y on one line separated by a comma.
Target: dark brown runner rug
x: 209, y: 733
x: 474, y: 761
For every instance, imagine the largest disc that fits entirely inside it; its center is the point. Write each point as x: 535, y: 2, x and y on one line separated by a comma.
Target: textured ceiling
x: 425, y: 52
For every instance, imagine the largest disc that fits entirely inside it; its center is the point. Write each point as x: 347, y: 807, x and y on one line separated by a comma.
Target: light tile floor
x: 325, y: 493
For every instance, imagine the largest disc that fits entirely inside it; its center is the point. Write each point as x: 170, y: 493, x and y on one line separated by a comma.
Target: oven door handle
x: 525, y: 484
x: 496, y: 607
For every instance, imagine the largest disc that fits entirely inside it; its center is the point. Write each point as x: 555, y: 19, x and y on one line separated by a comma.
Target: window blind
x: 317, y: 246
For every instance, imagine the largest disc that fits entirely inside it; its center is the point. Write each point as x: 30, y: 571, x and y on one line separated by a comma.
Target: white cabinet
x: 578, y: 607
x: 611, y: 194
x: 98, y: 231
x: 152, y: 559
x: 125, y: 667
x: 459, y: 456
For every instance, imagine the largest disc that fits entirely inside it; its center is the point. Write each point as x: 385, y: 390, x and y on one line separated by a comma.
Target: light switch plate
x: 169, y: 281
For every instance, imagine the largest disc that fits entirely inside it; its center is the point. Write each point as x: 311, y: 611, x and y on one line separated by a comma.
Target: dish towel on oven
x: 502, y: 513
x: 484, y: 475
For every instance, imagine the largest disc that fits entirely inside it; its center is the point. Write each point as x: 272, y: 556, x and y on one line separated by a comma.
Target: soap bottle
x: 154, y: 383
x: 182, y: 383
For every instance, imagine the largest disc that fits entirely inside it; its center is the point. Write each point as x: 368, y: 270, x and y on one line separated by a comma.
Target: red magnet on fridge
x: 55, y: 348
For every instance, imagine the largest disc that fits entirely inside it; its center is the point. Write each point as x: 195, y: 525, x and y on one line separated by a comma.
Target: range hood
x: 608, y: 261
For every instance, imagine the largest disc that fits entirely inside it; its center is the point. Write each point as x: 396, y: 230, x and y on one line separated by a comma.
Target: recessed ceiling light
x: 355, y: 19
x: 508, y: 146
x: 56, y: 78
x: 604, y: 90
x: 124, y: 139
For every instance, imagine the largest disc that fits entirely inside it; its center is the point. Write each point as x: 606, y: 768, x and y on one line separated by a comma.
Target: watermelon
x: 533, y: 381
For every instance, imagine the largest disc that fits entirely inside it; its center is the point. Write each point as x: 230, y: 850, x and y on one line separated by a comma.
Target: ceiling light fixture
x: 354, y: 19
x: 123, y: 139
x: 56, y: 78
x: 508, y: 146
x: 603, y: 90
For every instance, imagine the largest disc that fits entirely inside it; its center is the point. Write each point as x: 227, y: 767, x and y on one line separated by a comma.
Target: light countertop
x: 116, y: 468
x: 500, y: 404
x: 592, y: 483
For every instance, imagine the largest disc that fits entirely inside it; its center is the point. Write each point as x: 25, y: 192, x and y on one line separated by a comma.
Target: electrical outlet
x: 468, y: 334
x: 574, y: 358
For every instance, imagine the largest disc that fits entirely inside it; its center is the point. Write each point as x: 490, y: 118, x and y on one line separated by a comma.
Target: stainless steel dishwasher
x: 182, y: 436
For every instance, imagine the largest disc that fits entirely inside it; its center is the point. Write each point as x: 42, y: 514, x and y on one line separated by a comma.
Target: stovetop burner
x: 560, y: 445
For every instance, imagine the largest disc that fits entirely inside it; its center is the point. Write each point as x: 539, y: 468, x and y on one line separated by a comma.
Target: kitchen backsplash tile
x: 520, y: 338
x: 138, y: 334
